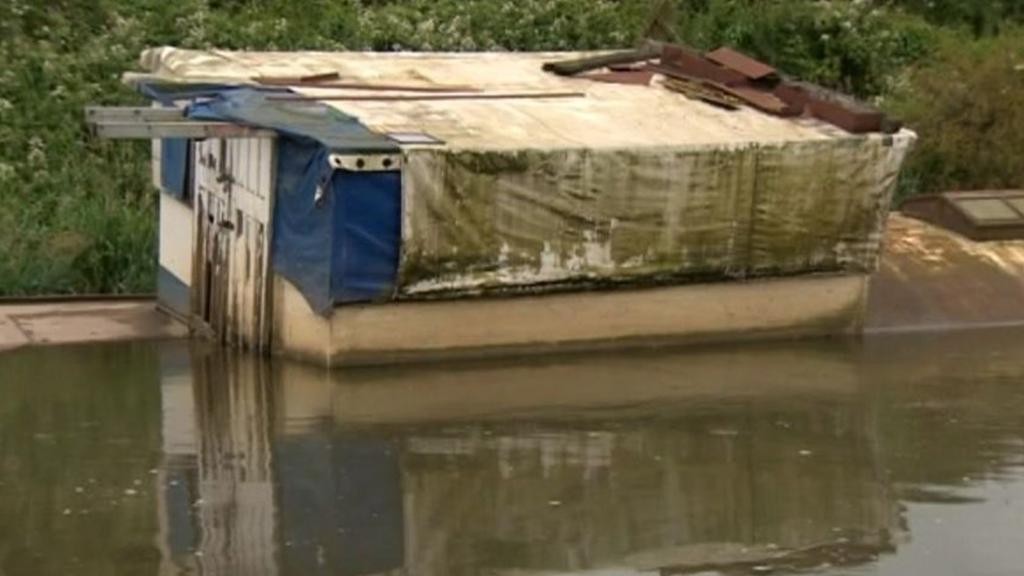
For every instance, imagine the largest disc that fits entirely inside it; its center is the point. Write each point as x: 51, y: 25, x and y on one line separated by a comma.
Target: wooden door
x: 234, y: 181
x: 212, y: 265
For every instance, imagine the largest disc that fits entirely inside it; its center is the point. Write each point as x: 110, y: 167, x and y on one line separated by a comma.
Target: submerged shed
x: 406, y: 177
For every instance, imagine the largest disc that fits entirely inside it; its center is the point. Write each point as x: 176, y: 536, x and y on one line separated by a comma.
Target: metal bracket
x: 108, y: 114
x: 149, y: 123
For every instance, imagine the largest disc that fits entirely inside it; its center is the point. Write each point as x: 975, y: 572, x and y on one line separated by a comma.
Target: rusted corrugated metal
x: 692, y: 64
x: 832, y: 107
x: 754, y: 97
x: 763, y: 100
x: 739, y: 62
x: 697, y: 90
x: 731, y: 73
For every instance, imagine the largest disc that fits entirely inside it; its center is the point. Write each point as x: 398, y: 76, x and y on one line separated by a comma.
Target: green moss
x: 492, y: 162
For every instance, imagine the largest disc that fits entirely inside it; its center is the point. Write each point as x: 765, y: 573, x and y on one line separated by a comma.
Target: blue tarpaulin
x: 344, y: 247
x: 336, y: 233
x: 333, y: 129
x: 169, y: 94
x: 368, y: 235
x: 303, y: 238
x: 174, y: 166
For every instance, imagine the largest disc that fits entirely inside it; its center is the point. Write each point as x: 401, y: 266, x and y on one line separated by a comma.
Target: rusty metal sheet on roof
x: 739, y: 62
x: 692, y: 63
x: 836, y: 109
x: 852, y: 120
x: 765, y: 101
x: 696, y: 90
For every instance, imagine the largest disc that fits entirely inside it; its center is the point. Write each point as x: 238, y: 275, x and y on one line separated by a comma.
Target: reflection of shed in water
x: 217, y: 487
x: 693, y: 485
x: 679, y: 495
x: 357, y: 223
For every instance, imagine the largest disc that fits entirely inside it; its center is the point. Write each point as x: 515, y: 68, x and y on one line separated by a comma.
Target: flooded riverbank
x: 889, y: 455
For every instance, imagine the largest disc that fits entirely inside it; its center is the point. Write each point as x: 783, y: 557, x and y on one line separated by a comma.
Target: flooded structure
x: 349, y: 207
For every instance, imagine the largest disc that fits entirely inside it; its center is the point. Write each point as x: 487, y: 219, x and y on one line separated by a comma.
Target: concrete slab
x: 488, y: 327
x: 934, y: 279
x: 11, y: 335
x: 71, y: 322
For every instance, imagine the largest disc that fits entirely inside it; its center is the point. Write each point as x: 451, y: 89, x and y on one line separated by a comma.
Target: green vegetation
x: 78, y: 215
x: 966, y: 101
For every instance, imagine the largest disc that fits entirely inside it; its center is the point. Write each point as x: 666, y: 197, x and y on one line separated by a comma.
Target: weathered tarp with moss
x: 515, y: 219
x: 623, y: 184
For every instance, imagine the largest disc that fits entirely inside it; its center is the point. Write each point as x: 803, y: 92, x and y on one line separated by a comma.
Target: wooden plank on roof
x: 415, y: 97
x: 371, y: 86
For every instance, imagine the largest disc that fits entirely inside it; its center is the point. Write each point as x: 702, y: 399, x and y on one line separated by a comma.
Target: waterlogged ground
x: 894, y: 455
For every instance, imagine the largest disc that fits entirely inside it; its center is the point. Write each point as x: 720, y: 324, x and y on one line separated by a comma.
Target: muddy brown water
x: 888, y: 455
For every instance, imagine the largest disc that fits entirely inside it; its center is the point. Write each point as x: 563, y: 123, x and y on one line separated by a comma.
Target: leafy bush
x: 853, y: 46
x: 467, y: 25
x: 78, y: 215
x: 965, y: 102
x: 981, y: 17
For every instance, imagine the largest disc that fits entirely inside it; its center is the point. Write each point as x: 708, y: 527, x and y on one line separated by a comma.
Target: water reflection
x: 736, y: 460
x: 469, y: 469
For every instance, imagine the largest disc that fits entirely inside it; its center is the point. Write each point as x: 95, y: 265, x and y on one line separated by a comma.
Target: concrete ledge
x: 77, y: 321
x: 936, y: 280
x: 381, y: 333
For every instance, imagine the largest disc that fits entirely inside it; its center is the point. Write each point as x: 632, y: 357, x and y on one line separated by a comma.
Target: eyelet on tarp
x: 366, y: 162
x: 321, y: 188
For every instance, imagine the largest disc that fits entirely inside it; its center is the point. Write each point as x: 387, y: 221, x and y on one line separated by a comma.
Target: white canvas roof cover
x: 626, y: 184
x: 611, y: 116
